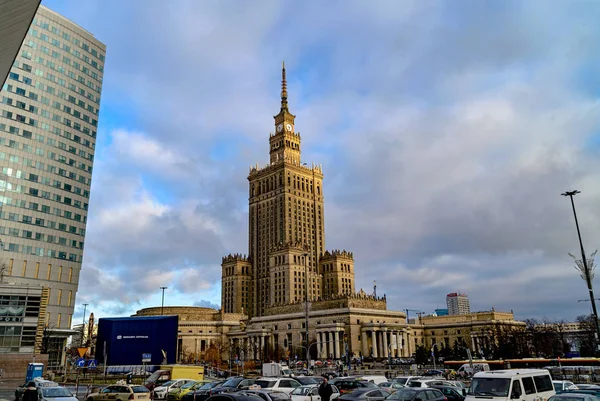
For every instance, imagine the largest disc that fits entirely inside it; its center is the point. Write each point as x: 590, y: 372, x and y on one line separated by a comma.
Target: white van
x: 513, y: 384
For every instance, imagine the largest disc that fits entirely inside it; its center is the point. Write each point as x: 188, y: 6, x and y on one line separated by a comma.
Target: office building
x: 458, y: 304
x: 49, y: 108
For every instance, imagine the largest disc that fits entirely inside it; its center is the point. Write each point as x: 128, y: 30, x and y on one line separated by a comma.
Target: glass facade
x: 49, y: 109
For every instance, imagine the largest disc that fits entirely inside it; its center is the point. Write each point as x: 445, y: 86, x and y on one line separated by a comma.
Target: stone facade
x: 470, y: 330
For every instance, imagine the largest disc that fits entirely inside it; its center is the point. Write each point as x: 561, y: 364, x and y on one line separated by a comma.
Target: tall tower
x: 285, y: 206
x: 49, y: 108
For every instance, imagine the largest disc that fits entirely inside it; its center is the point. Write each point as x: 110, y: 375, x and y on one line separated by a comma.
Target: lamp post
x: 586, y: 274
x: 83, y: 324
x: 305, y: 254
x: 433, y: 354
x: 162, y: 305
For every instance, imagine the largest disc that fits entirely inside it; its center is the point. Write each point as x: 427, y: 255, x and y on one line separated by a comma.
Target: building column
x: 364, y: 340
x: 318, y: 345
x: 384, y: 334
x: 262, y: 347
x: 336, y: 339
x: 374, y: 343
x: 399, y: 346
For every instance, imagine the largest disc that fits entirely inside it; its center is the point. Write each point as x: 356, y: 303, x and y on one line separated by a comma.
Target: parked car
x: 349, y: 386
x: 417, y: 393
x: 233, y: 384
x: 121, y: 392
x: 563, y: 385
x: 573, y: 397
x: 201, y: 393
x: 55, y: 394
x: 176, y: 394
x: 267, y: 395
x: 234, y: 397
x: 305, y: 380
x: 311, y: 393
x: 452, y: 393
x: 283, y: 384
x: 160, y: 392
x: 390, y: 387
x: 37, y: 383
x: 366, y: 394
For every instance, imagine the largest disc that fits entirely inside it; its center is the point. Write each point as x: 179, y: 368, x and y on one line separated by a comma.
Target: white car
x: 282, y: 384
x: 160, y: 392
x: 564, y: 385
x: 311, y: 393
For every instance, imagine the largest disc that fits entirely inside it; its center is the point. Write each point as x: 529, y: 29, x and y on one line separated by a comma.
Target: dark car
x: 306, y: 380
x: 364, y: 394
x: 349, y: 386
x: 452, y: 393
x: 233, y: 384
x: 567, y: 396
x: 201, y: 393
x: 417, y: 394
x: 267, y: 395
x: 590, y: 390
x: 234, y: 397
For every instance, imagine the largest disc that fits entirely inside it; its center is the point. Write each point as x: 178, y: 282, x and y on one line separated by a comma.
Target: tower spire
x: 284, y: 103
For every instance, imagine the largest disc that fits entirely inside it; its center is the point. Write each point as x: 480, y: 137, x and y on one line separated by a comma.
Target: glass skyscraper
x: 49, y: 109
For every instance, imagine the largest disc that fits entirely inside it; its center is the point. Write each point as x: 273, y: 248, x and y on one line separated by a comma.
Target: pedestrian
x: 30, y: 394
x: 325, y: 390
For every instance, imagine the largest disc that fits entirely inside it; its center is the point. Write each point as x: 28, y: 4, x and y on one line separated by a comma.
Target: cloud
x: 446, y: 136
x: 207, y: 304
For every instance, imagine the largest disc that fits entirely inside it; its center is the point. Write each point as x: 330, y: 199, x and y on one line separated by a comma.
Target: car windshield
x: 301, y: 390
x: 188, y: 385
x: 265, y: 383
x: 139, y: 389
x: 401, y: 380
x: 56, y: 392
x: 232, y: 382
x: 306, y: 380
x: 276, y: 395
x: 403, y: 395
x: 167, y: 384
x: 208, y: 386
x: 491, y: 386
x: 567, y: 398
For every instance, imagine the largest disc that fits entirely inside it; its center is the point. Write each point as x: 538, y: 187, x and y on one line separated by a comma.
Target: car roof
x: 511, y: 372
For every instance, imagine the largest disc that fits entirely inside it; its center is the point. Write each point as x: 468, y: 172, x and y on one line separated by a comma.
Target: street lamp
x: 83, y: 325
x: 433, y: 354
x: 305, y: 254
x: 582, y: 265
x: 162, y: 305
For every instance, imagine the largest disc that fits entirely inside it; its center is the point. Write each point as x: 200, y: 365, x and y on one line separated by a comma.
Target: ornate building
x: 286, y: 232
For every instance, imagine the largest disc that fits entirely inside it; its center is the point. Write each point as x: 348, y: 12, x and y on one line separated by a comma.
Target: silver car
x: 55, y: 394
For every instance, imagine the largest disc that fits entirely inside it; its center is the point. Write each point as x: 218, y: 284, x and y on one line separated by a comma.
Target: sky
x: 446, y: 130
